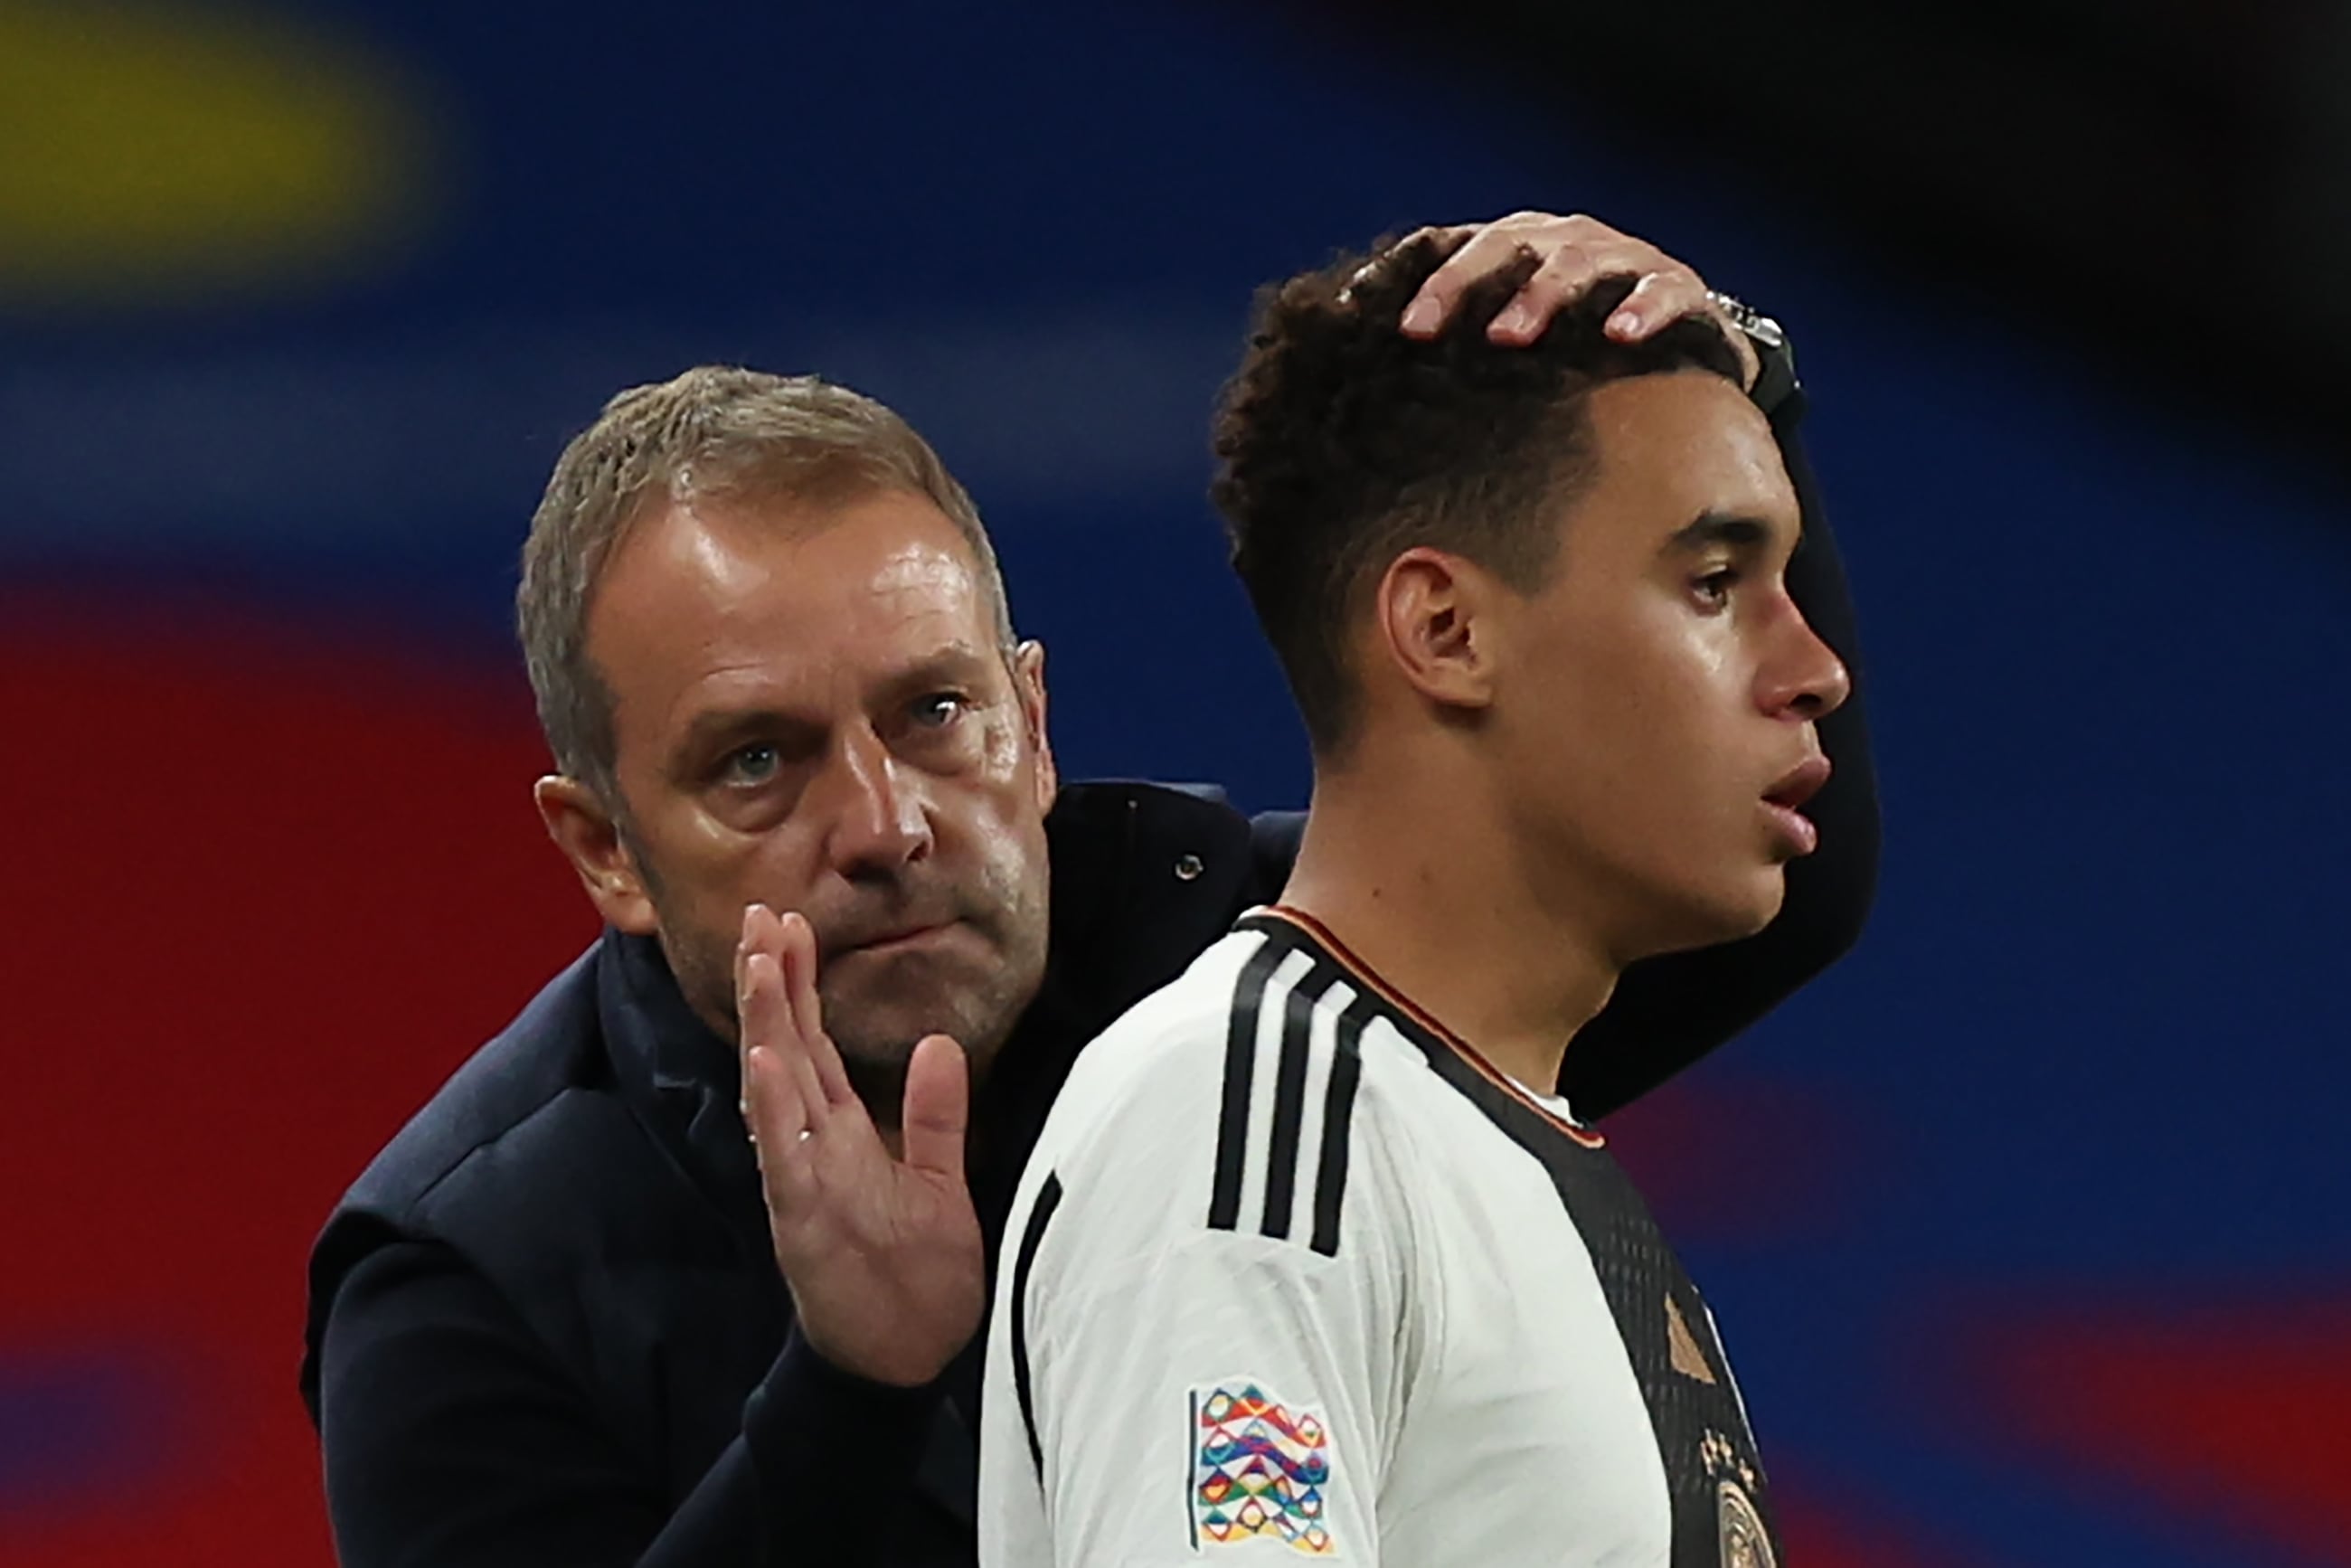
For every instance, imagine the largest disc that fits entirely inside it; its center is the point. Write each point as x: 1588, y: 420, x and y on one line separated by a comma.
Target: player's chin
x: 1766, y: 891
x: 1708, y: 912
x: 1738, y: 907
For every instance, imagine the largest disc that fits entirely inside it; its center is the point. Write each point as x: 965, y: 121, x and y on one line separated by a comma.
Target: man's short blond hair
x: 717, y: 432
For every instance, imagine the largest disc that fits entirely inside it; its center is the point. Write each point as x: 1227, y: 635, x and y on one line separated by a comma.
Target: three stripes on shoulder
x: 1291, y: 1065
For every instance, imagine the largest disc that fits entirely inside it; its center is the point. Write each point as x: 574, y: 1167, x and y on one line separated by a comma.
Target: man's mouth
x: 1784, y: 803
x: 1799, y: 784
x: 893, y: 939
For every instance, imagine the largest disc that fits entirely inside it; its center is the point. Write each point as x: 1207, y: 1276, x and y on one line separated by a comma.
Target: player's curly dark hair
x: 1342, y: 443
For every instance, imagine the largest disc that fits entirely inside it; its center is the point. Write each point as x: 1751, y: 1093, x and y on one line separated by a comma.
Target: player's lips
x: 1800, y: 783
x: 1784, y: 803
x: 896, y: 940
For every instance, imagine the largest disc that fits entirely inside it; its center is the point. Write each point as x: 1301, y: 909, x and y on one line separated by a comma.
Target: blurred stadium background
x: 2030, y: 1225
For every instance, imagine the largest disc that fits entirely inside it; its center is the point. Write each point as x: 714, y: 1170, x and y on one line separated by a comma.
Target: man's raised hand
x: 1573, y: 252
x: 882, y: 1253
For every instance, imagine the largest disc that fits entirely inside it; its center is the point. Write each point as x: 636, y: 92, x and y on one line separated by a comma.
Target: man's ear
x: 1429, y: 609
x: 1028, y: 690
x: 583, y: 827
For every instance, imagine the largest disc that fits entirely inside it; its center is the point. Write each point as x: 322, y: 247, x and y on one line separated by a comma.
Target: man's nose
x: 878, y: 822
x: 1808, y: 680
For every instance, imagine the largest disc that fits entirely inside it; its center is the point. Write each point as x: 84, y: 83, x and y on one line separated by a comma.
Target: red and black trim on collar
x: 1412, y: 1020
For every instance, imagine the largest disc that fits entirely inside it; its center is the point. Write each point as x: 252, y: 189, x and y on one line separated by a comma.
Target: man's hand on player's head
x: 882, y: 1253
x: 1574, y: 252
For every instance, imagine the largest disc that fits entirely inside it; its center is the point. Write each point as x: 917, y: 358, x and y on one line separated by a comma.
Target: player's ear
x: 1429, y: 607
x: 1028, y: 690
x: 583, y: 829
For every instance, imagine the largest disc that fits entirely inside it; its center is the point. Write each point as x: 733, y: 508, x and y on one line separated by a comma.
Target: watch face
x: 1751, y: 321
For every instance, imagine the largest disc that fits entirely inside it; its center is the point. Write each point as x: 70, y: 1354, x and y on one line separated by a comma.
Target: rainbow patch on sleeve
x: 1260, y: 1471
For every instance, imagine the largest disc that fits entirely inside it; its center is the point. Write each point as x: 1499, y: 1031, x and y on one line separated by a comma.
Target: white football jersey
x: 1293, y: 1273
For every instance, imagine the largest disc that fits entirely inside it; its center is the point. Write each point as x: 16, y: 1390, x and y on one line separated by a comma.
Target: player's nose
x: 1806, y: 679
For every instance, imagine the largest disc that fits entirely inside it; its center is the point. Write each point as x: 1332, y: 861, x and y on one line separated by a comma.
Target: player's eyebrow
x: 955, y: 664
x: 719, y: 730
x: 1731, y: 531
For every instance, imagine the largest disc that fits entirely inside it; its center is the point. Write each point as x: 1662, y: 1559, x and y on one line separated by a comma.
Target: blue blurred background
x: 2029, y: 1225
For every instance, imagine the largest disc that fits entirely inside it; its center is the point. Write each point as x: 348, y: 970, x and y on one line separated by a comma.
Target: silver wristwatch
x: 1775, y: 357
x: 1766, y: 333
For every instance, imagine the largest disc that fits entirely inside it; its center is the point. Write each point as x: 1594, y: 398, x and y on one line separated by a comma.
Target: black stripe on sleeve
x: 1337, y: 1110
x: 1240, y: 1066
x: 1289, y: 1110
x: 1049, y: 1198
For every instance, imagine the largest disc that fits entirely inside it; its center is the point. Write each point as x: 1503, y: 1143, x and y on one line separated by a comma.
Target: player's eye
x: 751, y: 765
x: 1712, y: 591
x: 937, y: 710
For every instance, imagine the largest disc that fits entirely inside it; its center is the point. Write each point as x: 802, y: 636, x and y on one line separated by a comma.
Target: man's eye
x: 751, y: 765
x: 1713, y: 589
x: 940, y: 710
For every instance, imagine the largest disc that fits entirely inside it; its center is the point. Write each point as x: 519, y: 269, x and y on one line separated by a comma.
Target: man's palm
x: 882, y: 1253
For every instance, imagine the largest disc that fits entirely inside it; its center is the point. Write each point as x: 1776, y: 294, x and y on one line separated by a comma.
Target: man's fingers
x: 1488, y: 250
x: 1575, y: 252
x: 772, y: 1102
x: 762, y: 933
x: 1677, y: 294
x: 937, y: 1107
x: 797, y: 952
x: 758, y: 937
x: 808, y: 1011
x: 1659, y: 300
x: 763, y: 930
x: 770, y: 1027
x: 778, y: 1116
x: 761, y: 1015
x: 1565, y: 277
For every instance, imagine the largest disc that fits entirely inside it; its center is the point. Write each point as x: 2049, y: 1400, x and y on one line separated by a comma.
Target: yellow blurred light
x: 151, y: 153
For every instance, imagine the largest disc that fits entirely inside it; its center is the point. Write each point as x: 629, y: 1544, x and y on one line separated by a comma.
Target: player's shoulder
x: 1165, y: 1040
x: 1241, y: 1091
x: 1258, y: 992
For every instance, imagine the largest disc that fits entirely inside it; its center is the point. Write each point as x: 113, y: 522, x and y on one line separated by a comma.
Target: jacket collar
x: 680, y: 1078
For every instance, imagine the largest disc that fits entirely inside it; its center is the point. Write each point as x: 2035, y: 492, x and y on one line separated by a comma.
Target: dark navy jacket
x: 550, y: 1297
x: 545, y: 1327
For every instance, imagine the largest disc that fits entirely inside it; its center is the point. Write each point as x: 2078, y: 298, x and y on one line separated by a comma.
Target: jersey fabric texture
x: 1292, y: 1274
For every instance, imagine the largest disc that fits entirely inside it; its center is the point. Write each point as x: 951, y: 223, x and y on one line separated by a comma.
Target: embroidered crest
x: 1260, y: 1471
x: 1745, y: 1543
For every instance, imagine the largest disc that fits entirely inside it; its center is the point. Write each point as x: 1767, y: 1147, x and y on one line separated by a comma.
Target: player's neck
x: 1436, y: 900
